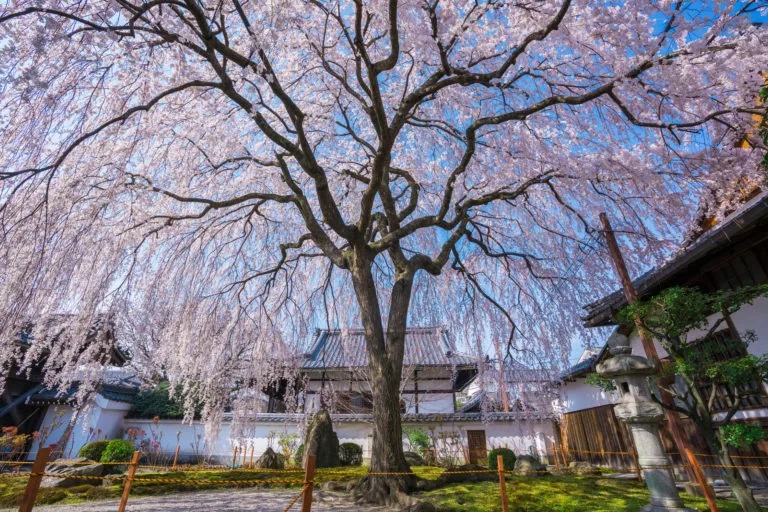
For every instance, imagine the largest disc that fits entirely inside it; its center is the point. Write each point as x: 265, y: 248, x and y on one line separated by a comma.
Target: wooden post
x: 129, y: 481
x: 502, y: 376
x: 176, y: 456
x: 554, y: 451
x: 250, y: 464
x: 234, y: 458
x: 636, y: 460
x: 672, y: 417
x: 309, y: 475
x: 245, y: 453
x: 709, y: 494
x: 35, y: 477
x: 502, y: 484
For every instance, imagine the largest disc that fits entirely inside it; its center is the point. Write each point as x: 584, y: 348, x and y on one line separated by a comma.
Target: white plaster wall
x: 637, y: 345
x: 751, y: 317
x: 102, y: 419
x: 520, y: 436
x: 191, y: 438
x: 428, y: 402
x: 578, y: 395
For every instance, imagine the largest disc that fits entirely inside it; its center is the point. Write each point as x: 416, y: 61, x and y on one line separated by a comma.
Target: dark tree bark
x: 741, y: 492
x: 385, y: 348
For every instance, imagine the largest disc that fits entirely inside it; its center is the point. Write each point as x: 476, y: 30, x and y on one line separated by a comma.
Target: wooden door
x: 476, y: 447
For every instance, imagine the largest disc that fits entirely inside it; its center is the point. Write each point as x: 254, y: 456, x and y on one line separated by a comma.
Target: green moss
x: 571, y: 493
x: 11, y: 490
x: 555, y: 494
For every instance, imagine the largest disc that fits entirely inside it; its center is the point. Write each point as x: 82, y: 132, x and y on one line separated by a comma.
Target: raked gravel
x: 220, y: 501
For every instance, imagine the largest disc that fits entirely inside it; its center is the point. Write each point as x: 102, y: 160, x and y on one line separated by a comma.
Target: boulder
x: 269, y: 460
x: 72, y: 472
x: 422, y: 506
x: 529, y: 465
x: 414, y: 459
x: 322, y: 442
x: 583, y: 468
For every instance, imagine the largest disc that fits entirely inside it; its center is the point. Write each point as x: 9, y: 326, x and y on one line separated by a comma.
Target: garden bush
x: 350, y: 454
x: 93, y: 451
x: 118, y: 450
x: 158, y: 402
x: 299, y: 455
x: 507, y: 455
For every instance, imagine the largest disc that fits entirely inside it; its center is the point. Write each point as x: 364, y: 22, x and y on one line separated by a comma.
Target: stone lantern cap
x: 626, y: 364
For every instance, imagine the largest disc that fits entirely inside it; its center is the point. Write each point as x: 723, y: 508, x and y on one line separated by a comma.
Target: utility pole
x: 672, y: 417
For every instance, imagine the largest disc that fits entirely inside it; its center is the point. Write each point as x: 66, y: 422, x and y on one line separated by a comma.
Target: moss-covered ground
x: 559, y: 493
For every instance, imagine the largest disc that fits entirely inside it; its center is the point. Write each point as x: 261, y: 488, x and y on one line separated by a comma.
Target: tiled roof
x: 119, y: 392
x: 424, y: 346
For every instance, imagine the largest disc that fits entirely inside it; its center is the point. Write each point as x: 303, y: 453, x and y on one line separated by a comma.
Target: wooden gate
x: 476, y: 446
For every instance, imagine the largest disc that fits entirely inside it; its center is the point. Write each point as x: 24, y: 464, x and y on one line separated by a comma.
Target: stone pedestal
x: 643, y: 416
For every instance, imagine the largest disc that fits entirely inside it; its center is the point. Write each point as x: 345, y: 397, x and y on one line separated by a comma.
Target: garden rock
x: 422, y: 506
x: 426, y: 485
x: 584, y: 468
x: 334, y: 486
x: 269, y: 460
x: 528, y: 465
x: 414, y: 459
x: 322, y: 442
x: 64, y: 473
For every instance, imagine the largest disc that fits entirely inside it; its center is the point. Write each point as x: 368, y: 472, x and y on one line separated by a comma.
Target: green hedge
x: 118, y: 450
x: 350, y: 454
x: 93, y: 451
x: 298, y: 457
x: 158, y: 402
x: 508, y: 456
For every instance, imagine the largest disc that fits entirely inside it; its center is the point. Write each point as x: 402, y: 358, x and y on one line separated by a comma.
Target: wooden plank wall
x: 596, y: 436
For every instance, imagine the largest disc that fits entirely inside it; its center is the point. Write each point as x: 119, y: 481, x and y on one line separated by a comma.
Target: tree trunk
x: 741, y: 492
x: 385, y: 365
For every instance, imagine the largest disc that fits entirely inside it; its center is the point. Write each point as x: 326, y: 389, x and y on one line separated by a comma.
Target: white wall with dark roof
x: 577, y: 395
x: 101, y: 419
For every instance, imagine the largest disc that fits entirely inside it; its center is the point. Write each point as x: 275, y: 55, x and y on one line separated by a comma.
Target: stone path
x: 248, y: 500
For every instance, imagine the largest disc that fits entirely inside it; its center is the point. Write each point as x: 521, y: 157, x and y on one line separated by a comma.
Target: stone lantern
x: 643, y: 416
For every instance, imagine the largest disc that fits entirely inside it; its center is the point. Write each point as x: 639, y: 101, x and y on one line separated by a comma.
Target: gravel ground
x: 220, y: 501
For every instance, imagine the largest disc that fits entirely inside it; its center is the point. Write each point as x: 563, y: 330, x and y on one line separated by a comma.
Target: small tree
x: 709, y: 381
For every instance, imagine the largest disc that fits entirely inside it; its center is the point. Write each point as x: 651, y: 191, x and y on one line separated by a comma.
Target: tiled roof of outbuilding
x: 424, y: 346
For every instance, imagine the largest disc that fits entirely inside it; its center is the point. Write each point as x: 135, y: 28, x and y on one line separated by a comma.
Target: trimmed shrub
x: 298, y: 457
x: 118, y: 450
x: 506, y: 454
x: 93, y: 451
x: 350, y: 454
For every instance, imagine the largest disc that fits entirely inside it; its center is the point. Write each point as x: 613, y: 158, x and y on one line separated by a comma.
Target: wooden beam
x: 673, y: 418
